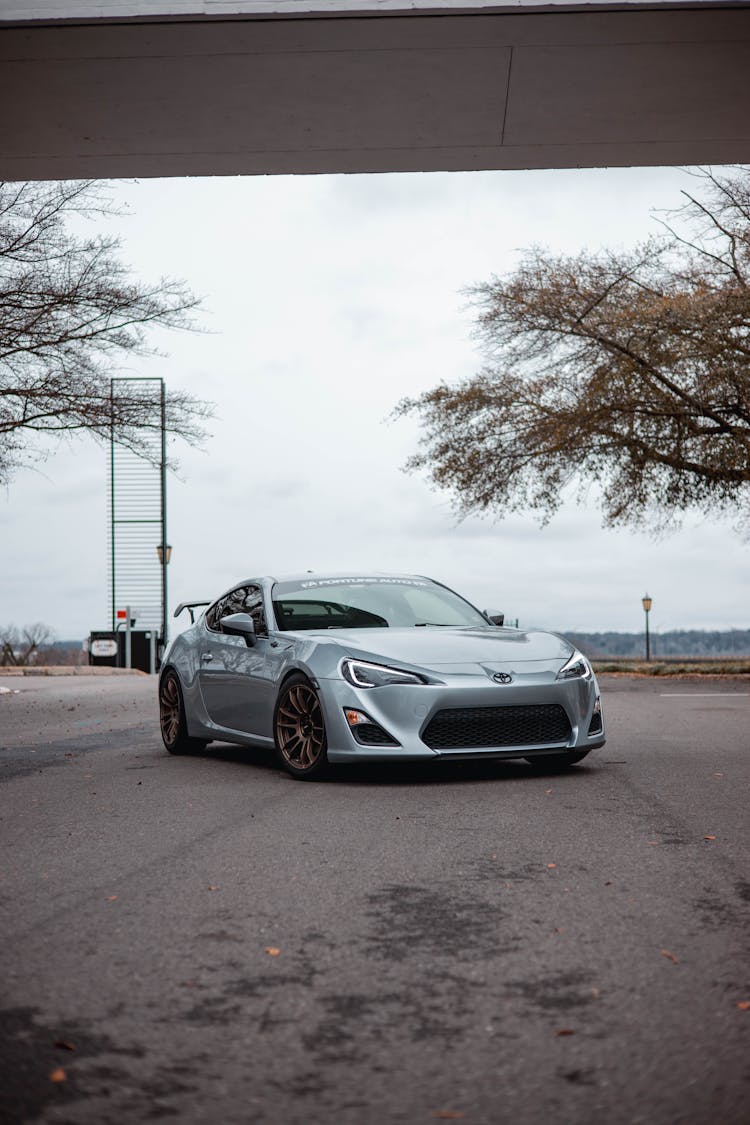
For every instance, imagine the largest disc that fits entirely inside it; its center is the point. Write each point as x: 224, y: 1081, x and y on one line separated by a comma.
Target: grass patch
x: 674, y: 667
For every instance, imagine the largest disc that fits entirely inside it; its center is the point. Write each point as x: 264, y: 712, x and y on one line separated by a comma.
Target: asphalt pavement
x: 204, y: 939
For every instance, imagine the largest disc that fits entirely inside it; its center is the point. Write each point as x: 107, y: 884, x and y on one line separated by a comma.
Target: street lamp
x: 646, y: 603
x: 164, y: 551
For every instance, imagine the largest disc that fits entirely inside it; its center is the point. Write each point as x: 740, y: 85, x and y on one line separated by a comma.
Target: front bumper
x: 405, y: 712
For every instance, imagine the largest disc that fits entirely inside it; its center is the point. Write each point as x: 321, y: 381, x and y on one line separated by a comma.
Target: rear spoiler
x: 190, y: 606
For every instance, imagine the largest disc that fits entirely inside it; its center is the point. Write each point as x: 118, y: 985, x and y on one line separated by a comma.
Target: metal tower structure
x: 137, y: 503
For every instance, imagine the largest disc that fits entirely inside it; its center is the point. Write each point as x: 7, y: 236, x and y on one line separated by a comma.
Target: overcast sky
x: 326, y: 299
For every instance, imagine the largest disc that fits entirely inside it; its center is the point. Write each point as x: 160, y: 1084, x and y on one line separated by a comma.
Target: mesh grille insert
x: 595, y: 725
x: 370, y: 734
x: 463, y: 727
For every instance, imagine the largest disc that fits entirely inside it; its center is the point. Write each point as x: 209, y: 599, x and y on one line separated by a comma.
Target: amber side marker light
x: 354, y: 718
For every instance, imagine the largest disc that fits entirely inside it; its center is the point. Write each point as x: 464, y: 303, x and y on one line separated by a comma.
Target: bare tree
x: 631, y: 370
x: 68, y: 311
x: 20, y: 647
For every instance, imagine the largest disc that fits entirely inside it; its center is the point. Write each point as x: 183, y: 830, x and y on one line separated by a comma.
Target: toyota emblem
x: 502, y: 678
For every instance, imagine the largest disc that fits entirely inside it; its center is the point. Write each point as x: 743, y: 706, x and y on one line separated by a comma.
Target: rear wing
x: 190, y: 606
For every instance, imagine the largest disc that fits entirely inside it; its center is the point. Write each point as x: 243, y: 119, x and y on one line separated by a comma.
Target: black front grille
x: 463, y: 727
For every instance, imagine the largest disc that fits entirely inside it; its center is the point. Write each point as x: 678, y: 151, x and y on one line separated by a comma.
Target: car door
x: 233, y: 676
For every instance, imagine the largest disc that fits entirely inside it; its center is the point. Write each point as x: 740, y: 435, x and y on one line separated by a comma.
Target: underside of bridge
x: 286, y: 88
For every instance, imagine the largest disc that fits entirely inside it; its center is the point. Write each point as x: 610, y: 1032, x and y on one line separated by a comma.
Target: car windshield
x: 369, y: 603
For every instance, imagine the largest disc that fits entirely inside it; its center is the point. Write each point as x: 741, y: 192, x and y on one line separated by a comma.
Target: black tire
x: 172, y: 718
x: 299, y: 730
x: 556, y: 762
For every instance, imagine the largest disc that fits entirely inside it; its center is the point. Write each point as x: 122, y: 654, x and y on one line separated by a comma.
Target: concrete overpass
x: 204, y: 87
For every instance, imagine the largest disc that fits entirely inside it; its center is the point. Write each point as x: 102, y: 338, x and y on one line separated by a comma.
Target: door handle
x: 206, y: 657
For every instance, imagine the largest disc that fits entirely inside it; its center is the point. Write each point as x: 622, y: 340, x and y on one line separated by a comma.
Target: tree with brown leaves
x: 628, y: 370
x: 68, y: 311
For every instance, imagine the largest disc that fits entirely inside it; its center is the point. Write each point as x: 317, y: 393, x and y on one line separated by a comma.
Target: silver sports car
x: 352, y: 668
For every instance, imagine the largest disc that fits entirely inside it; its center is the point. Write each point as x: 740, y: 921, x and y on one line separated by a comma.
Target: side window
x: 234, y: 602
x: 213, y: 615
x: 245, y: 599
x: 253, y: 604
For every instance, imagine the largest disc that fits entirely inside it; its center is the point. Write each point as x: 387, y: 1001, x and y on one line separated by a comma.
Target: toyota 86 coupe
x: 382, y: 667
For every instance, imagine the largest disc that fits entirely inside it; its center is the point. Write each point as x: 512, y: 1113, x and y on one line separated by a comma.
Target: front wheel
x: 553, y: 762
x: 299, y: 730
x: 172, y: 718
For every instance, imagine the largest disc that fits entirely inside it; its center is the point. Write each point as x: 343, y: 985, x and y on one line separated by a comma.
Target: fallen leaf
x: 608, y: 883
x: 596, y: 993
x: 709, y: 837
x: 547, y: 791
x: 211, y: 887
x: 57, y: 1075
x: 565, y: 1031
x: 272, y: 951
x: 551, y: 865
x: 111, y: 898
x: 64, y: 1045
x: 743, y: 1005
x: 669, y: 956
x: 652, y: 843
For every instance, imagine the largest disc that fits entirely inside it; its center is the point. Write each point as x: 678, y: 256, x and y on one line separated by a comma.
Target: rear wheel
x: 551, y: 762
x: 172, y: 718
x: 299, y: 730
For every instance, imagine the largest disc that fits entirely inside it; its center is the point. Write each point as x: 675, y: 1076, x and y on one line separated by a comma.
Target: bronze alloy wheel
x: 170, y: 706
x: 172, y: 718
x: 300, y: 730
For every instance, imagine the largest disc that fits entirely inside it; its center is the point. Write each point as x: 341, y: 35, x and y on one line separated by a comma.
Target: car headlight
x: 576, y: 667
x: 364, y: 675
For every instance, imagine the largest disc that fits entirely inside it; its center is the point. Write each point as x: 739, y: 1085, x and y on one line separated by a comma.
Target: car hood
x: 446, y: 649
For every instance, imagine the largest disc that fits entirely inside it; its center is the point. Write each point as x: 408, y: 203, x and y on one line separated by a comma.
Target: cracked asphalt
x: 205, y: 939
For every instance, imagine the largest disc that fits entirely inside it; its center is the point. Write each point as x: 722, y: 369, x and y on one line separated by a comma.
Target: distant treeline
x: 680, y: 643
x: 62, y: 652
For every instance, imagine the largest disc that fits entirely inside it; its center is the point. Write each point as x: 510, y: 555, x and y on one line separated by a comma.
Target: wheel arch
x: 297, y: 670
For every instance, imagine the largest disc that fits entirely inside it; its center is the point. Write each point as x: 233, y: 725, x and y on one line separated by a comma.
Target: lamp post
x: 164, y: 551
x: 646, y: 603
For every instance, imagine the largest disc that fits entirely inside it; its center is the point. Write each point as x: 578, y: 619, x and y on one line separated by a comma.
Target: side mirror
x: 495, y: 616
x: 239, y: 625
